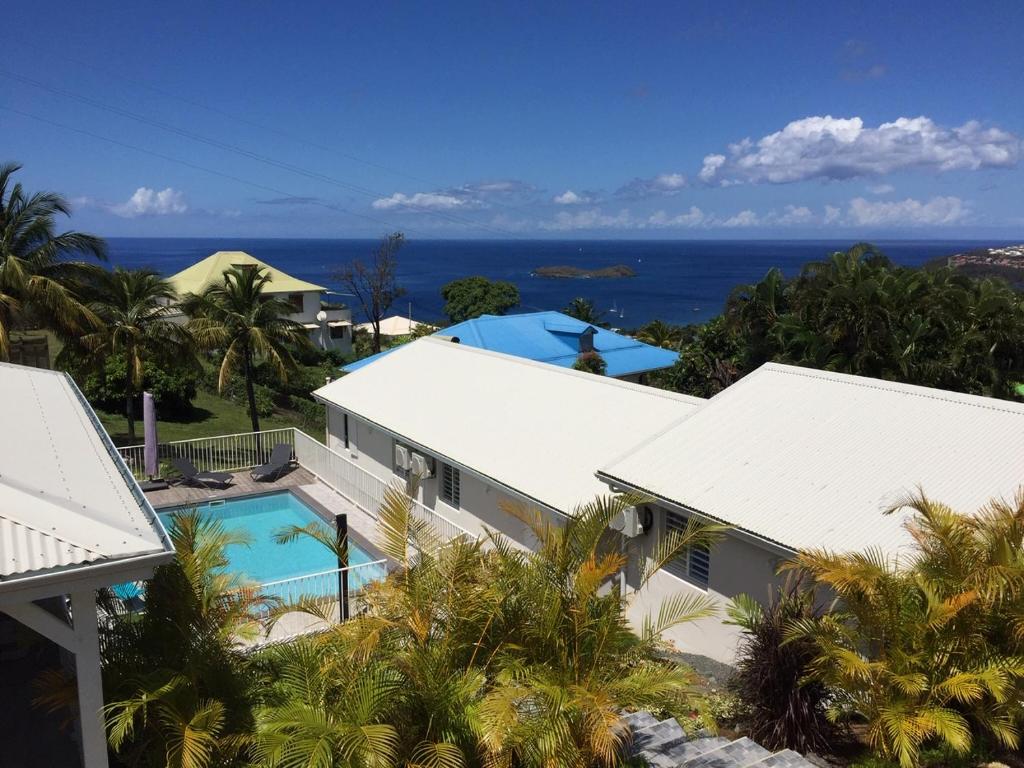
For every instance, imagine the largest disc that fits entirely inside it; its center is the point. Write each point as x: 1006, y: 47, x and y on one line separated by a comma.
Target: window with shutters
x: 450, y: 485
x: 694, y: 563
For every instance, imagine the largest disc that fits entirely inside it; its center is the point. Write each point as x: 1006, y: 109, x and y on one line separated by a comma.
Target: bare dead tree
x: 374, y: 283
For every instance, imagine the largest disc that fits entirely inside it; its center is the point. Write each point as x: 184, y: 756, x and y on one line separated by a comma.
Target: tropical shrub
x: 590, y: 362
x: 930, y: 650
x: 782, y: 709
x: 470, y: 655
x: 856, y: 312
x: 173, y: 385
x: 470, y: 297
x: 180, y: 691
x: 313, y: 413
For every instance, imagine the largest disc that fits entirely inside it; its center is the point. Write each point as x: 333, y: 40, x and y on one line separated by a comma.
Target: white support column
x: 90, y: 681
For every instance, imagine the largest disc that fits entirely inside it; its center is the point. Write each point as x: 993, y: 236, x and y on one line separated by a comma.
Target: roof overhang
x: 618, y: 485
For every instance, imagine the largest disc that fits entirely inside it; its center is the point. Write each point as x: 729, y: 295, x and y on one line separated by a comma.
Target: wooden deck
x: 242, y: 485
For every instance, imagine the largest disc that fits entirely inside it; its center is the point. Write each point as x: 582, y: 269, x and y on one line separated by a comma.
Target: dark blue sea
x: 682, y: 281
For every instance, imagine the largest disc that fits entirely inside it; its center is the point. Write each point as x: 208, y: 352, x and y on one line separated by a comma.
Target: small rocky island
x: 619, y: 270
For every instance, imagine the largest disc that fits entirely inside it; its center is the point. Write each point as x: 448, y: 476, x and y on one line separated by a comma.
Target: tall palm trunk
x: 250, y: 389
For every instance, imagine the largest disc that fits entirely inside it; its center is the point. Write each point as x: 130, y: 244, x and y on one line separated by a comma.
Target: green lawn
x: 211, y: 415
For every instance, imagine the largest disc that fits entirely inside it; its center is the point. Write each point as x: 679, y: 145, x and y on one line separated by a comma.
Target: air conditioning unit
x: 421, y: 466
x: 401, y: 457
x: 627, y: 522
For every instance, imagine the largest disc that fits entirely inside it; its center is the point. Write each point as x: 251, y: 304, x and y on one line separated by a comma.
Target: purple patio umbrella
x: 150, y: 449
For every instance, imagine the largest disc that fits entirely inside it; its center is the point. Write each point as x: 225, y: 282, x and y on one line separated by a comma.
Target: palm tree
x: 37, y: 281
x: 476, y: 652
x: 585, y: 311
x: 181, y: 690
x: 928, y: 649
x: 134, y: 308
x: 660, y: 334
x: 236, y: 318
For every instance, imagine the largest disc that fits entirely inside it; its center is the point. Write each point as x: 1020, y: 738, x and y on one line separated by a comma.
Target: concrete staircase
x: 664, y: 744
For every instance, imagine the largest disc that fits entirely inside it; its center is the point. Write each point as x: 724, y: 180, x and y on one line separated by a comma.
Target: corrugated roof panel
x: 211, y: 270
x: 63, y: 497
x: 537, y: 428
x: 811, y: 459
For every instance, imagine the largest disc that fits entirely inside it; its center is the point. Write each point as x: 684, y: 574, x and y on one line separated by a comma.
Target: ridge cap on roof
x: 898, y: 387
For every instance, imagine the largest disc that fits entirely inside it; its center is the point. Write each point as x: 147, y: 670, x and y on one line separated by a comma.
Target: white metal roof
x: 810, y: 459
x: 65, y: 501
x: 395, y: 325
x: 536, y: 428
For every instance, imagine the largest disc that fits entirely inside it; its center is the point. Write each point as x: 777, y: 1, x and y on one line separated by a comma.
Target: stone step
x: 677, y: 752
x: 652, y: 736
x: 735, y: 754
x: 638, y: 720
x: 787, y: 758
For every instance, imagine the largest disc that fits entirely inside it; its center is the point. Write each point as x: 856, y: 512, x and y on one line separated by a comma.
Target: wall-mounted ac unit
x: 627, y: 523
x: 401, y: 457
x: 421, y: 466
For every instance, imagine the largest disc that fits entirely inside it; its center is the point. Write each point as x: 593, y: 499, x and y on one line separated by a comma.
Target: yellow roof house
x: 211, y: 269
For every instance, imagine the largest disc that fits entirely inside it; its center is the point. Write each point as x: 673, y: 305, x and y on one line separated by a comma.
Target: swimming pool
x: 263, y: 560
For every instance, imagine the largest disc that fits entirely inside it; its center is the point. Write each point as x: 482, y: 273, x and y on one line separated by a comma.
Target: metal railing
x: 315, y: 602
x: 233, y: 453
x: 363, y: 488
x: 222, y: 453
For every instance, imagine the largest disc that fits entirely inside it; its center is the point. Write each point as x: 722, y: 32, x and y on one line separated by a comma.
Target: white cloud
x: 149, y: 202
x: 570, y: 198
x: 832, y: 214
x: 427, y: 201
x: 467, y: 196
x: 837, y: 148
x: 691, y: 218
x: 795, y: 215
x: 661, y: 185
x: 745, y: 218
x: 909, y: 212
x: 589, y: 219
x: 881, y: 189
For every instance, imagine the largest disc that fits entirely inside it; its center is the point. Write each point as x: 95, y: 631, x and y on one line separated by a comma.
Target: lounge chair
x: 191, y: 475
x: 280, y: 459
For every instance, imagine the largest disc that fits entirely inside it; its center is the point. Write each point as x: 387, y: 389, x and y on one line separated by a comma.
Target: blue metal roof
x: 551, y: 337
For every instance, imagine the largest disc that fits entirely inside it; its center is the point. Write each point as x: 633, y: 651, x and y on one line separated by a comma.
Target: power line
x: 196, y: 166
x: 224, y: 146
x: 260, y: 126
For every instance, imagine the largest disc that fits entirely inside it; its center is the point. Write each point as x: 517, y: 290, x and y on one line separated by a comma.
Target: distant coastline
x: 1005, y: 262
x: 677, y: 281
x: 565, y: 271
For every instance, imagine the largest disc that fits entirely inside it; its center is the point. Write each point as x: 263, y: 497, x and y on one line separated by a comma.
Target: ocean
x: 680, y: 281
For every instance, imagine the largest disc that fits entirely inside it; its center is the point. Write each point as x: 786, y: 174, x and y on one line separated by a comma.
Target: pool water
x: 260, y: 517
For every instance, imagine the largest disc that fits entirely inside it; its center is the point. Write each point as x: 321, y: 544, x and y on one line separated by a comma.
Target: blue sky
x: 675, y: 120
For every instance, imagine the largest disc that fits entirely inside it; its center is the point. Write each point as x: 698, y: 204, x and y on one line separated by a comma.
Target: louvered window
x: 694, y: 563
x: 450, y: 485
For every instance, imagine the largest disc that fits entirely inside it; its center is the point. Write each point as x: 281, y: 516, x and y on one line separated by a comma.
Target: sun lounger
x: 280, y: 460
x: 193, y: 476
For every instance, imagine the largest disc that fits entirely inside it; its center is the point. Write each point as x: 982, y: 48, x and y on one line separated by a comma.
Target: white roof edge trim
x: 761, y: 541
x: 53, y: 581
x: 129, y: 478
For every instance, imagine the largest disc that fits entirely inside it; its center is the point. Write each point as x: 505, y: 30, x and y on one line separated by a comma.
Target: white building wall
x: 736, y: 565
x: 483, y: 505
